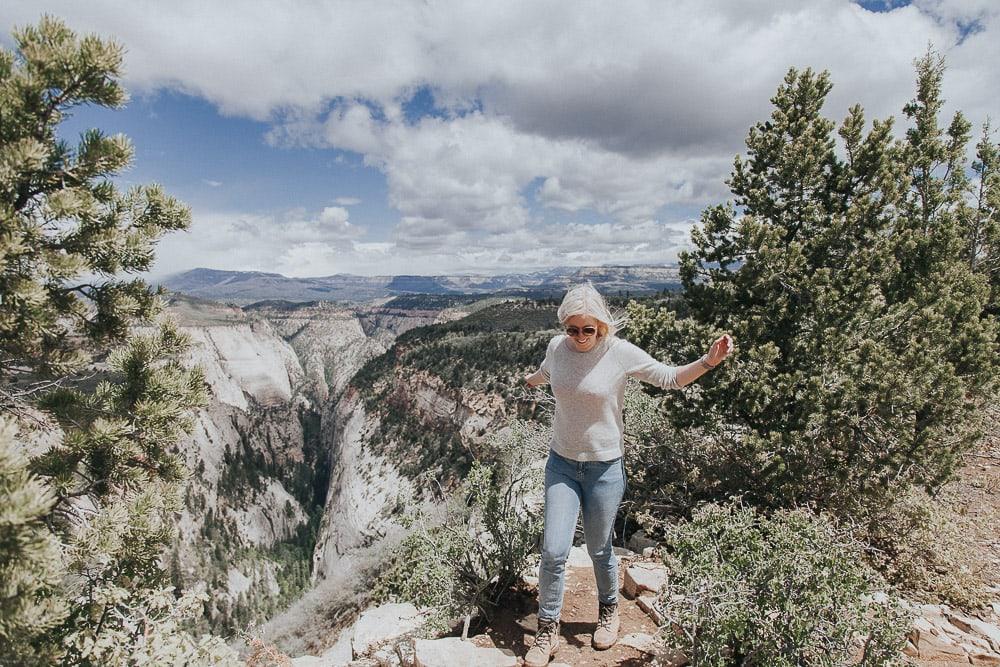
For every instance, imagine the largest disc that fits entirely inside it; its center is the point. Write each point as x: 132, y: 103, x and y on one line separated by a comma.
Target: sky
x: 313, y: 137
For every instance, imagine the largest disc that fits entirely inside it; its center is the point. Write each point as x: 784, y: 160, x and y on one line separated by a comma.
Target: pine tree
x: 865, y: 346
x: 31, y: 562
x: 981, y: 217
x: 62, y: 218
x: 84, y: 524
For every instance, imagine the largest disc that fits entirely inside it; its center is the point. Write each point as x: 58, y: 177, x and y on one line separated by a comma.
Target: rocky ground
x: 513, y: 629
x: 944, y: 636
x: 379, y: 636
x: 940, y: 636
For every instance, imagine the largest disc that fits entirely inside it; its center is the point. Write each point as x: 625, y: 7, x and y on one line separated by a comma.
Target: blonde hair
x: 584, y: 299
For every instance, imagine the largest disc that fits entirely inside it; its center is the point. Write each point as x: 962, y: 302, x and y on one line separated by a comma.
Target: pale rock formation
x: 363, y: 486
x: 382, y: 624
x: 644, y: 577
x: 247, y: 358
x: 942, y: 636
x: 237, y: 582
x: 453, y: 652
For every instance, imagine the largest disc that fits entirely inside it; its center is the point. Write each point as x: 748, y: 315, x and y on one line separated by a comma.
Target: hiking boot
x: 608, y: 623
x: 546, y: 644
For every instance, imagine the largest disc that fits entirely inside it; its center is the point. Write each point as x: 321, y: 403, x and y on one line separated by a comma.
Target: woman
x: 587, y: 368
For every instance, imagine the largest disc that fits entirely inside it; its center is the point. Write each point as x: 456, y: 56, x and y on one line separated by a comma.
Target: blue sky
x: 412, y: 137
x: 217, y: 162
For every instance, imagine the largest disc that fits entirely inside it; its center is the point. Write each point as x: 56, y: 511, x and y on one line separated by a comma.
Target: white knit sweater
x: 589, y: 388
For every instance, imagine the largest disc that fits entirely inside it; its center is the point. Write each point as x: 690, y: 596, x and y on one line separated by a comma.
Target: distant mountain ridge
x: 245, y: 287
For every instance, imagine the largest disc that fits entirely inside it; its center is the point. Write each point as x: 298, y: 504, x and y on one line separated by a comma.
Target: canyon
x: 295, y: 482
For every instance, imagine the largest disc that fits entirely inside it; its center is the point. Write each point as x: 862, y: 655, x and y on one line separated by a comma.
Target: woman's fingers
x: 721, y: 349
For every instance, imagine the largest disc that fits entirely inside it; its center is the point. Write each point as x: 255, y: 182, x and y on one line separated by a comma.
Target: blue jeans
x: 598, y: 487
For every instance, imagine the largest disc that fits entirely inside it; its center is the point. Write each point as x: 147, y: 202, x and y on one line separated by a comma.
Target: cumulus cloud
x: 543, y: 110
x: 463, y: 179
x: 253, y: 242
x: 637, y: 78
x: 288, y: 245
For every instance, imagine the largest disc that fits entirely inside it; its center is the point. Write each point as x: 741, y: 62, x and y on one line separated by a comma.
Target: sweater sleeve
x: 541, y: 376
x: 637, y: 363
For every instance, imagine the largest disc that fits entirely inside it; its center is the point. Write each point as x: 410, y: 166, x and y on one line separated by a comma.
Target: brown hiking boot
x: 546, y: 644
x: 608, y: 623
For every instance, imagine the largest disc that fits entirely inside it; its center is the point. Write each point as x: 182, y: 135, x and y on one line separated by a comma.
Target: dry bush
x: 926, y: 547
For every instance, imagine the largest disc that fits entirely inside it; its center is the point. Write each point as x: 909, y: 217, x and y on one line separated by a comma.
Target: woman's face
x: 582, y: 342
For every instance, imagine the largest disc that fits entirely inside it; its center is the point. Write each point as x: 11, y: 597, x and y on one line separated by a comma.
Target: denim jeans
x: 597, y: 487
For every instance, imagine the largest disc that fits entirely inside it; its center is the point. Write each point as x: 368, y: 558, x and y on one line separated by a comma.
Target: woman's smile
x: 583, y: 331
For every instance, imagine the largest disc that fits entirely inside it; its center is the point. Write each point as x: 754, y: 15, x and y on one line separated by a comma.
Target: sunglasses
x: 575, y: 331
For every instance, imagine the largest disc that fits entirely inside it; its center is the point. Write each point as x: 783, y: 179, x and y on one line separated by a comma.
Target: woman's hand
x: 721, y: 348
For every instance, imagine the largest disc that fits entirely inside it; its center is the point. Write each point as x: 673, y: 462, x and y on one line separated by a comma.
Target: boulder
x: 453, y: 652
x: 578, y: 557
x: 340, y: 653
x: 381, y: 624
x: 639, y: 541
x: 644, y: 577
x: 641, y: 642
x: 622, y: 552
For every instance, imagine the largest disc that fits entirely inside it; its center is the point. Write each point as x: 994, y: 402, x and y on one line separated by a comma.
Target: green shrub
x: 670, y: 471
x: 791, y: 589
x: 465, y: 561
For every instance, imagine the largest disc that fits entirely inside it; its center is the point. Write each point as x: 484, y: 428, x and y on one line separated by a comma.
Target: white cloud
x: 247, y: 241
x: 550, y: 110
x: 288, y: 245
x: 462, y: 180
x: 640, y: 77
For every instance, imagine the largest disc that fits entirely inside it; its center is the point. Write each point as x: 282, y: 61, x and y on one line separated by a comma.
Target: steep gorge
x: 403, y: 432
x: 259, y: 457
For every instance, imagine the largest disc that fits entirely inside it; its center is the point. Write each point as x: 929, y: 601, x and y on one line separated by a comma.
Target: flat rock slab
x: 340, y: 653
x: 453, y: 652
x: 985, y: 659
x: 382, y: 624
x: 640, y: 641
x: 978, y: 627
x: 644, y: 577
x: 650, y: 604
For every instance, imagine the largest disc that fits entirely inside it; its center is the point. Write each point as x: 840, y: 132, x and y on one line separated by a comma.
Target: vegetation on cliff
x: 483, y: 353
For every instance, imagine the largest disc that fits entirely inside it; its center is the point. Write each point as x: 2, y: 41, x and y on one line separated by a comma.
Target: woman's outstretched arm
x: 639, y: 364
x: 721, y: 348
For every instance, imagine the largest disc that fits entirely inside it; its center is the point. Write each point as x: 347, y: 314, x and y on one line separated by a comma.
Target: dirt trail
x: 514, y: 627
